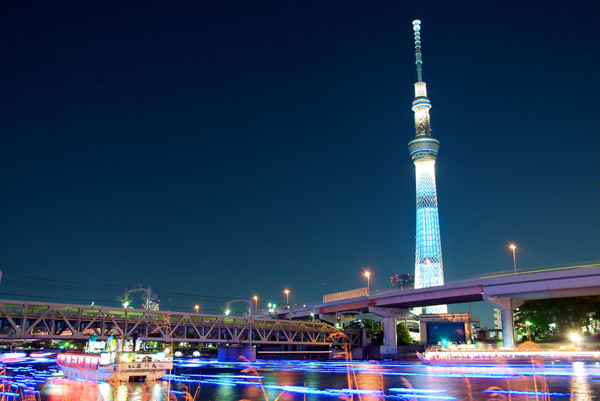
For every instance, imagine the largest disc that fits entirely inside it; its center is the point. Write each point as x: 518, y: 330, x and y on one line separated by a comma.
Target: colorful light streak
x: 226, y: 381
x: 414, y: 390
x: 480, y: 372
x: 534, y: 393
x: 23, y: 378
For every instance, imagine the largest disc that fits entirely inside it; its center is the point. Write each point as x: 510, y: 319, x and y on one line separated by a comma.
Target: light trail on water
x: 314, y: 380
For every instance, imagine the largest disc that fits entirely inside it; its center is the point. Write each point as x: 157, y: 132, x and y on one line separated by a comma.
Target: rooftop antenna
x: 419, y: 60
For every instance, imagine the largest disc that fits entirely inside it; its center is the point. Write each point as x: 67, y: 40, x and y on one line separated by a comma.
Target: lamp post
x: 513, y: 247
x: 197, y: 307
x: 368, y: 276
x: 255, y: 305
x: 287, y: 301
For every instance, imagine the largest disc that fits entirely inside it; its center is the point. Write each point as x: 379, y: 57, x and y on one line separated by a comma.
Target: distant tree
x: 539, y: 313
x: 372, y: 325
x: 404, y: 337
x: 374, y: 332
x: 569, y: 314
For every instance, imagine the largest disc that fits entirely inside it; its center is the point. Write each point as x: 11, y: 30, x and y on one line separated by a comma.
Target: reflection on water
x: 581, y: 386
x: 312, y: 380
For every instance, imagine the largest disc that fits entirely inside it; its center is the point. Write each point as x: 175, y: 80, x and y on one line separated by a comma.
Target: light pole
x: 368, y: 276
x: 513, y: 247
x: 287, y: 301
x: 255, y: 305
x: 197, y: 307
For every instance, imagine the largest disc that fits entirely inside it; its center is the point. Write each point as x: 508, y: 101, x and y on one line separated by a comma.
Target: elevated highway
x: 507, y: 292
x: 559, y: 283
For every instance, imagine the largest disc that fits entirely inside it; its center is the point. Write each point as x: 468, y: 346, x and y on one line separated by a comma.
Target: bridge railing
x: 341, y: 296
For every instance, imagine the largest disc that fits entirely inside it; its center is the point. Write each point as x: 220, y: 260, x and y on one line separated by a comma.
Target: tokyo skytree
x: 424, y: 149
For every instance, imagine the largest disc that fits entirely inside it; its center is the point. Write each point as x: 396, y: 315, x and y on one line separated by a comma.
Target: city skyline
x: 239, y: 150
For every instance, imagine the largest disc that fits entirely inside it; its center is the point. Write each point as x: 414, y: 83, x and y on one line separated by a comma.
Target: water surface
x: 313, y: 380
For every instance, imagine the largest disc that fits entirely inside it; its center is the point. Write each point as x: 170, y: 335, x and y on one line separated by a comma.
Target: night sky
x: 215, y: 150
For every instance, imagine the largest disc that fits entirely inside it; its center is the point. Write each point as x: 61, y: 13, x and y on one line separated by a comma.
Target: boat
x: 114, y: 360
x: 436, y: 357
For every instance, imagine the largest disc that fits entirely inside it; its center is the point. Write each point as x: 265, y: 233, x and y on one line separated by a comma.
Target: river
x: 314, y: 380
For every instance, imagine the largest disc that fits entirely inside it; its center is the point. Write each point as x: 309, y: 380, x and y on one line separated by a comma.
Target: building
x: 402, y: 281
x: 423, y: 150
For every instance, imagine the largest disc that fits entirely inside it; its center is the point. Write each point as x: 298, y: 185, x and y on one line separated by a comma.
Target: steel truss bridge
x: 42, y: 320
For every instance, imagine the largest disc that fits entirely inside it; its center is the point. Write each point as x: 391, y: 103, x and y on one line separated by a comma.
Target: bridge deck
x: 552, y: 283
x: 40, y: 320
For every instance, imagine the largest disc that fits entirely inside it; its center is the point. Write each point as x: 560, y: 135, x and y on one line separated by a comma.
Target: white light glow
x: 420, y: 89
x: 429, y: 270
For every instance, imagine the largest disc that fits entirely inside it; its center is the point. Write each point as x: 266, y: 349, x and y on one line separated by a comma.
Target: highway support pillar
x: 340, y: 318
x: 506, y: 306
x: 390, y: 339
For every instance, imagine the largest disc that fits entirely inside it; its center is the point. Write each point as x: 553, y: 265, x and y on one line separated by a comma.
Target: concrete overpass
x: 507, y: 291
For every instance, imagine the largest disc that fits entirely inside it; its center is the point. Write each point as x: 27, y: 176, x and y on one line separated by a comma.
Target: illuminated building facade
x: 424, y: 149
x: 402, y: 281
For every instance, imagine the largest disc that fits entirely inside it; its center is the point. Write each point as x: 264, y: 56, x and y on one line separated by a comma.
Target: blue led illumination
x: 330, y: 392
x: 429, y: 270
x: 421, y: 104
x: 424, y: 150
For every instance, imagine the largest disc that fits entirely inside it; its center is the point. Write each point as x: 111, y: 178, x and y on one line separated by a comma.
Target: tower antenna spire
x: 419, y: 60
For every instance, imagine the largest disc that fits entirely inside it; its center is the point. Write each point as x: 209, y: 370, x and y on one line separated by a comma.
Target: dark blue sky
x: 240, y: 148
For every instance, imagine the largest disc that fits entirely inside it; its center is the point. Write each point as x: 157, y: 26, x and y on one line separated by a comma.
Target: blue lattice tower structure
x: 424, y: 149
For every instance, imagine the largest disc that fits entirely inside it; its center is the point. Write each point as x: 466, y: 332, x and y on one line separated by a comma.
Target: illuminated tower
x: 423, y: 150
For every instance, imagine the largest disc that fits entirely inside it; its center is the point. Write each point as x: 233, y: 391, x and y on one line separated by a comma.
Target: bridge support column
x: 506, y: 306
x: 328, y: 317
x: 390, y: 339
x: 340, y: 318
x: 237, y: 354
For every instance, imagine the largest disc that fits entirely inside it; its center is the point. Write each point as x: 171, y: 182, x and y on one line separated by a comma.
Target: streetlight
x: 197, y: 307
x: 513, y: 247
x: 287, y: 301
x: 255, y: 305
x: 368, y: 276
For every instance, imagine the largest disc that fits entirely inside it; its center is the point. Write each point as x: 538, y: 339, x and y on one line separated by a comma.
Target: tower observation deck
x: 423, y: 150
